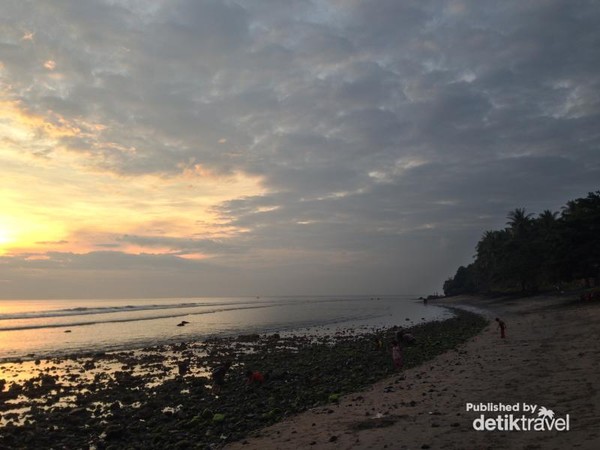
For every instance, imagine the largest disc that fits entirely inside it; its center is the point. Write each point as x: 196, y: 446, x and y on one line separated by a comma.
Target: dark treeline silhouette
x: 534, y: 253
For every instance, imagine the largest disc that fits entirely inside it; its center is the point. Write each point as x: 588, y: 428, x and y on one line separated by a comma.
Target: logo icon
x: 517, y: 417
x: 545, y: 413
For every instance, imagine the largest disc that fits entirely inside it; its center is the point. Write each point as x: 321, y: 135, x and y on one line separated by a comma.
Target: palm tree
x: 491, y: 257
x: 581, y: 238
x: 548, y: 218
x: 519, y: 220
x: 523, y: 256
x: 546, y: 240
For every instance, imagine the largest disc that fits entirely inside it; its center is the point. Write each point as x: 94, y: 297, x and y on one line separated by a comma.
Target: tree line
x: 536, y: 253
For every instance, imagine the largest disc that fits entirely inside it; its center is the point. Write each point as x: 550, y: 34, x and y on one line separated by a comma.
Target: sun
x: 5, y: 240
x: 5, y: 236
x: 9, y: 233
x: 22, y: 234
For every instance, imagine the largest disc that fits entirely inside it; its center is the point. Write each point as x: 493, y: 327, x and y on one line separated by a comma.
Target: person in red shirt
x: 253, y: 376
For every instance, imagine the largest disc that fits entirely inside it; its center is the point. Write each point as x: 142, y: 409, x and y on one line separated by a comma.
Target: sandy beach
x: 549, y: 358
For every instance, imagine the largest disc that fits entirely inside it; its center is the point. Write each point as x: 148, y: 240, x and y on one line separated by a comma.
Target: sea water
x: 46, y: 328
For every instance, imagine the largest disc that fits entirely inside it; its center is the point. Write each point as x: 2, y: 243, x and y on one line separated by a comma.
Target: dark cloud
x: 181, y: 246
x: 389, y: 134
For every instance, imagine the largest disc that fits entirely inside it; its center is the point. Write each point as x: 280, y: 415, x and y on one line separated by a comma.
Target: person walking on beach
x: 218, y: 377
x: 397, y: 355
x: 502, y: 327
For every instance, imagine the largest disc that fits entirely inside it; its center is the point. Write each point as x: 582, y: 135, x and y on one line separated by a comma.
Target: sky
x: 174, y: 148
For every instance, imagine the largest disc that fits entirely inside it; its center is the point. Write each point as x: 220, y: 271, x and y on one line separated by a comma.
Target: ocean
x: 47, y: 328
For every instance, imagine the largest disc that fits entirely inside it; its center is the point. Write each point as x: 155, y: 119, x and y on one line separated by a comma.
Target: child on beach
x: 397, y: 355
x: 502, y: 327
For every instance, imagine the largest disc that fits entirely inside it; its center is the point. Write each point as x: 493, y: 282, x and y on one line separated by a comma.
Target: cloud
x: 347, y: 136
x: 183, y: 246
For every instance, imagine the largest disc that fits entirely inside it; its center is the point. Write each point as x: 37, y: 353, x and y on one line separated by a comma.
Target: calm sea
x: 44, y: 328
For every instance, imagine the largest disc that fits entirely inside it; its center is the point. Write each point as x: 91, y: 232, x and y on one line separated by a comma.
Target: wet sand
x: 550, y: 358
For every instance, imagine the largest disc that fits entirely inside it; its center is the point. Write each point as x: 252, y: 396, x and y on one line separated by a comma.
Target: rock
x: 248, y: 338
x: 77, y: 411
x: 113, y: 432
x: 334, y: 397
x: 89, y: 365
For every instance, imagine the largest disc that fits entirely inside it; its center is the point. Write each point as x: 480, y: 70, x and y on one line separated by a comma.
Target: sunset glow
x: 5, y: 236
x: 79, y: 206
x: 232, y: 147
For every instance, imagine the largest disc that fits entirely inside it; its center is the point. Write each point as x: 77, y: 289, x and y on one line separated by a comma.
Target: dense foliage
x: 536, y: 252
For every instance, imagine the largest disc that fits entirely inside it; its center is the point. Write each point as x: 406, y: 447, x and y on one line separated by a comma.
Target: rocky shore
x: 161, y: 397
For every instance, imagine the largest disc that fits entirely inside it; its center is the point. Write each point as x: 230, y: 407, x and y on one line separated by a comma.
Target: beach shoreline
x: 46, y: 329
x: 550, y: 358
x: 118, y: 399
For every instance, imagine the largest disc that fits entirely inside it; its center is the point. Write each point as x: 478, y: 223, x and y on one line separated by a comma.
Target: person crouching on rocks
x: 218, y: 377
x: 253, y: 376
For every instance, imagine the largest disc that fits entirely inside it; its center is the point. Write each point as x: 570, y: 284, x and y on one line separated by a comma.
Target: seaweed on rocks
x: 141, y: 399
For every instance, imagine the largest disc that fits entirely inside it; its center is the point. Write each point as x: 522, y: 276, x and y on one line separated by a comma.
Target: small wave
x: 84, y: 310
x: 35, y: 326
x: 90, y: 310
x: 110, y: 309
x: 124, y: 313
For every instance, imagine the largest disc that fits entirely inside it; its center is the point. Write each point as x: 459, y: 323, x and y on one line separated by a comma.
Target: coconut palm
x: 491, y: 257
x: 522, y: 256
x: 547, y: 219
x: 581, y: 236
x: 547, y: 242
x: 536, y: 252
x: 519, y: 220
